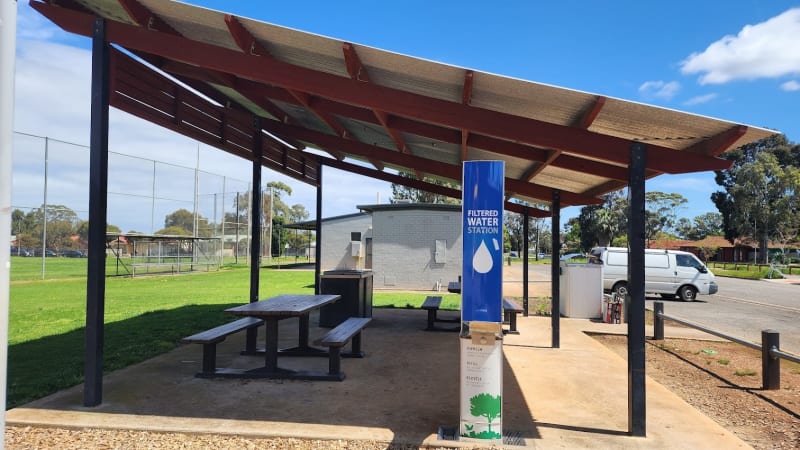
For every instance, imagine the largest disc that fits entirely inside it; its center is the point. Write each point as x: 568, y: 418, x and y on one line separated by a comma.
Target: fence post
x: 770, y: 366
x: 658, y: 321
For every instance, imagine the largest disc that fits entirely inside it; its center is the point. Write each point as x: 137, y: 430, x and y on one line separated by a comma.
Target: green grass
x: 743, y: 270
x: 144, y: 316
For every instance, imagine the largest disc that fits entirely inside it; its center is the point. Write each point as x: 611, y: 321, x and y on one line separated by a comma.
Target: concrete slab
x: 402, y: 392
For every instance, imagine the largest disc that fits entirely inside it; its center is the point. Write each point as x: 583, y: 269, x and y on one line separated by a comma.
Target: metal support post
x: 525, y: 220
x: 318, y: 227
x: 555, y: 308
x: 658, y: 321
x: 770, y: 365
x: 634, y: 313
x: 255, y: 223
x: 98, y: 205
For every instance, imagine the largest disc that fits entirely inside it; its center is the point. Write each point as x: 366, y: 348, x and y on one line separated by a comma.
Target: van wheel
x: 621, y: 289
x: 687, y: 293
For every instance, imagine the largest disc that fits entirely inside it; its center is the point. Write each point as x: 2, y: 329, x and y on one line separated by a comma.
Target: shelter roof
x: 239, y: 84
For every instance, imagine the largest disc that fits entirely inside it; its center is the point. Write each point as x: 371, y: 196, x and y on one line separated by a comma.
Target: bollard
x: 770, y: 365
x: 658, y: 321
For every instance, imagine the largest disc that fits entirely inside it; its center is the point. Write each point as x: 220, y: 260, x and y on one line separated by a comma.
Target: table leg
x: 303, y: 349
x: 271, y: 344
x: 303, y: 337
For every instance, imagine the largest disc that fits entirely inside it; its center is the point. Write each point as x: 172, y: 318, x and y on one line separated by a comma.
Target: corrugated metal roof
x: 391, y: 110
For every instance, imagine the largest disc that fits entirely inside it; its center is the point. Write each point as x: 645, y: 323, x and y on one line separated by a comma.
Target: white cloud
x: 790, y: 86
x: 700, y: 99
x: 659, y: 89
x: 765, y: 50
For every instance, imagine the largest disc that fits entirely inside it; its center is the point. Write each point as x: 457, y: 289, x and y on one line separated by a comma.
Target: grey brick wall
x: 404, y: 248
x: 336, y: 242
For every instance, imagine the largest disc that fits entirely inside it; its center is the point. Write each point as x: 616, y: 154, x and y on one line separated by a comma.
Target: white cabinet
x: 581, y: 290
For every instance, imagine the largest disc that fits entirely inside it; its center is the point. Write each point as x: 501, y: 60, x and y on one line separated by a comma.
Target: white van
x: 669, y: 273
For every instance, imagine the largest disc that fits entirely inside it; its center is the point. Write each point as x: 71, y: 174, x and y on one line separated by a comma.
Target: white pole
x: 196, y: 181
x: 8, y: 43
x: 44, y: 206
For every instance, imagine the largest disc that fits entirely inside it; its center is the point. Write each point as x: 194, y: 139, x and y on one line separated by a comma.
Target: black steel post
x: 525, y: 220
x: 98, y: 206
x: 770, y: 365
x: 255, y: 225
x: 634, y: 313
x: 555, y: 269
x: 658, y: 321
x: 318, y: 227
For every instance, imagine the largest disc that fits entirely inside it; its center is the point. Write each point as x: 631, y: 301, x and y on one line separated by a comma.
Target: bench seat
x: 510, y: 311
x: 432, y: 304
x: 338, y: 337
x: 210, y: 339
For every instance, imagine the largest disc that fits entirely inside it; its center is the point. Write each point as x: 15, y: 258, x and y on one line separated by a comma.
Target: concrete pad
x: 402, y: 392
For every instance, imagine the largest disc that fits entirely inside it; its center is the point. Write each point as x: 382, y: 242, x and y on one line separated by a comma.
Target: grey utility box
x: 355, y: 287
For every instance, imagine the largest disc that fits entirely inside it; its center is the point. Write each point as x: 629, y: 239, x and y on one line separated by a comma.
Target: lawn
x: 144, y: 316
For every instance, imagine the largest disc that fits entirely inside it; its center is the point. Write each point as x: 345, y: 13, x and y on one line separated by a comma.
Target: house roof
x: 269, y: 93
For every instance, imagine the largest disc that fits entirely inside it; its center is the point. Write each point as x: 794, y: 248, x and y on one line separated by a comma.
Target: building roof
x: 269, y: 93
x: 312, y: 224
x: 409, y: 206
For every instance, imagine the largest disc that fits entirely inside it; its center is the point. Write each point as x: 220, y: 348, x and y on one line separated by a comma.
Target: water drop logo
x: 482, y: 261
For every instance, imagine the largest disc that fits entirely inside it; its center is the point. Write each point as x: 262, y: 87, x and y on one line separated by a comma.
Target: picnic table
x: 272, y: 311
x: 454, y: 287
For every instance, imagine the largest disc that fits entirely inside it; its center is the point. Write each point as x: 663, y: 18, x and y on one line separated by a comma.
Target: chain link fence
x: 50, y: 198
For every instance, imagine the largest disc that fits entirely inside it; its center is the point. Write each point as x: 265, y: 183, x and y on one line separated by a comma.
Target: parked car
x: 20, y: 252
x: 47, y: 252
x: 73, y: 254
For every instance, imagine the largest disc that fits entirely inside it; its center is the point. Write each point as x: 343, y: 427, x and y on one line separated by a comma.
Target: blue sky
x: 734, y: 60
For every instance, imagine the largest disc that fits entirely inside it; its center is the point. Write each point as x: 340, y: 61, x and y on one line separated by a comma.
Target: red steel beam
x: 717, y: 144
x: 184, y: 112
x: 255, y: 91
x: 466, y: 99
x: 393, y: 101
x: 445, y: 170
x: 422, y: 185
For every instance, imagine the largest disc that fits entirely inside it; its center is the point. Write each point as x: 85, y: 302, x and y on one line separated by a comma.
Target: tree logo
x: 488, y: 406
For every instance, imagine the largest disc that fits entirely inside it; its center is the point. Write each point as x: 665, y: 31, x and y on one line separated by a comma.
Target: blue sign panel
x: 482, y: 272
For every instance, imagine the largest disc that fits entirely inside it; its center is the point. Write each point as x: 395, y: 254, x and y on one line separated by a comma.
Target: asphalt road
x: 743, y: 308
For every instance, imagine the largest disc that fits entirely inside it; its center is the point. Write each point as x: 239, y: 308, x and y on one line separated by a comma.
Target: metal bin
x: 355, y: 287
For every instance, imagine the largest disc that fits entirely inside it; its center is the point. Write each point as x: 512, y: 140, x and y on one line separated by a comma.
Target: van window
x: 617, y: 259
x: 688, y: 261
x: 658, y: 260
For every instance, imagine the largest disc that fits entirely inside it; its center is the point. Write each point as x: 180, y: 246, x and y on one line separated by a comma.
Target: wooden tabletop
x: 283, y: 305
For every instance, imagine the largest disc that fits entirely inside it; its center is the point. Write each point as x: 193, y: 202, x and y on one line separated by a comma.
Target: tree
x: 708, y: 224
x: 60, y: 229
x: 786, y: 154
x: 400, y: 192
x: 538, y: 236
x: 174, y: 230
x: 297, y: 241
x: 572, y: 235
x: 764, y: 204
x: 661, y: 213
x: 184, y: 219
x: 600, y: 224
